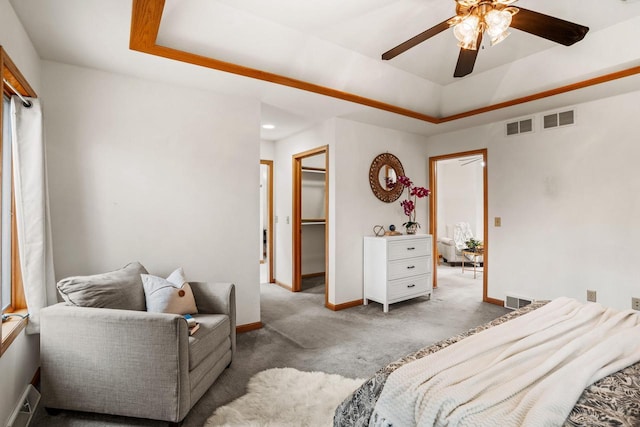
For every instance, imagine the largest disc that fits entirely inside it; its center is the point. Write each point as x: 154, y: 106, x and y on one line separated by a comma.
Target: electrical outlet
x: 635, y: 303
x: 591, y: 295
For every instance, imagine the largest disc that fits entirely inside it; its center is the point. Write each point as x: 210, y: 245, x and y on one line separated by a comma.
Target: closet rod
x: 25, y: 102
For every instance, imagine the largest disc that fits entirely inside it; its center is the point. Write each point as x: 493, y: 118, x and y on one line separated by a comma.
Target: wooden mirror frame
x: 385, y: 160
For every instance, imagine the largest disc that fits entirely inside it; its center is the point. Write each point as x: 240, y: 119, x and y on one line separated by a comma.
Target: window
x: 5, y: 209
x: 12, y: 300
x: 12, y: 295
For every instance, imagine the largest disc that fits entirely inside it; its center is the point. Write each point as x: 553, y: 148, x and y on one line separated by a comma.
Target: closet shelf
x: 315, y: 221
x: 313, y: 170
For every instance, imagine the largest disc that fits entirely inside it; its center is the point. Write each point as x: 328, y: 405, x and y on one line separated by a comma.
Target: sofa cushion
x: 214, y: 331
x: 119, y: 289
x: 170, y: 295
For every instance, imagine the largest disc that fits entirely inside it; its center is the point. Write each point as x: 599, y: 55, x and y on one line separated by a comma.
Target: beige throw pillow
x: 170, y: 295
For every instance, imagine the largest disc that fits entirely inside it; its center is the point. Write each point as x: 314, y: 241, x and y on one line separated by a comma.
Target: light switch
x: 287, y: 219
x: 497, y: 221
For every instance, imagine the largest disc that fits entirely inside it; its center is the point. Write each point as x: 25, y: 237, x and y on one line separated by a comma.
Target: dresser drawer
x: 409, y: 286
x: 409, y: 248
x: 409, y: 267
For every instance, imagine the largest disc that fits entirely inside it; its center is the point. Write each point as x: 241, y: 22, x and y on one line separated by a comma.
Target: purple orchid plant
x: 409, y: 205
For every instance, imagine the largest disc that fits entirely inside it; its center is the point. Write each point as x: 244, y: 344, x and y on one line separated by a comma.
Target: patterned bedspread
x: 612, y: 401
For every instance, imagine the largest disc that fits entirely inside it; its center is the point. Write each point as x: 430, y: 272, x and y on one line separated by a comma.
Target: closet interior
x: 313, y: 222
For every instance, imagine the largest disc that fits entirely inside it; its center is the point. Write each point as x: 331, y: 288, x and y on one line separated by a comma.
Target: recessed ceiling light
x: 268, y: 126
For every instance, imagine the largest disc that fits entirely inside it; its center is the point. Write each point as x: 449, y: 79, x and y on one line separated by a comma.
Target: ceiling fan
x: 493, y: 17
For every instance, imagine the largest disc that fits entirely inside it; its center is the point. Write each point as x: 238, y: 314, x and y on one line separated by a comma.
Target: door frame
x: 296, y: 223
x: 433, y: 215
x: 269, y: 164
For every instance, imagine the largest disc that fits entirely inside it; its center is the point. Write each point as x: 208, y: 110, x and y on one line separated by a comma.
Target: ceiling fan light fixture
x: 497, y: 39
x: 469, y: 3
x: 466, y: 31
x: 497, y: 22
x: 475, y: 17
x: 469, y: 44
x: 492, y: 17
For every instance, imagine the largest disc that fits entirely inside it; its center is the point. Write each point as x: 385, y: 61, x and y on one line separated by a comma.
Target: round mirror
x: 383, y: 177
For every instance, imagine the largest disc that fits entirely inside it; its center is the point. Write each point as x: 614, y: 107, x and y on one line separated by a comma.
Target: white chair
x: 451, y: 248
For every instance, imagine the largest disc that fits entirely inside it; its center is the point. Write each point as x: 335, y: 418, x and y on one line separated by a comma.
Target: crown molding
x: 145, y: 24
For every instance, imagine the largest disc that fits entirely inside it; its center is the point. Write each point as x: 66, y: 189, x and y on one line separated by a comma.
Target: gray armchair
x: 135, y: 363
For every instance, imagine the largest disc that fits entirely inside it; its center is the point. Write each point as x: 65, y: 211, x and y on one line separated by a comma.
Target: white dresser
x: 397, y: 268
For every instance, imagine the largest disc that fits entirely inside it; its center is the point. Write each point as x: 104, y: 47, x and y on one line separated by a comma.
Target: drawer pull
x: 411, y: 249
x: 409, y: 267
x: 411, y: 286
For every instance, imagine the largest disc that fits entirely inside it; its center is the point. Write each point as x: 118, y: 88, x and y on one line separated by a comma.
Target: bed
x: 611, y: 401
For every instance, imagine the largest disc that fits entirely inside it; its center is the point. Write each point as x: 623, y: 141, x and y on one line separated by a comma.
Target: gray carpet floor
x: 300, y: 333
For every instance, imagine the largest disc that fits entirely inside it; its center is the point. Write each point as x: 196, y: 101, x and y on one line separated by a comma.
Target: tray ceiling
x: 337, y: 44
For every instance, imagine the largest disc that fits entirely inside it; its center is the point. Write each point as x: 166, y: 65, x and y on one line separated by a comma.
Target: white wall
x: 17, y: 368
x: 15, y: 41
x: 318, y: 136
x: 357, y: 210
x: 312, y: 257
x: 156, y: 173
x: 267, y: 150
x: 21, y: 360
x: 353, y: 209
x: 460, y: 197
x: 313, y: 195
x: 568, y: 199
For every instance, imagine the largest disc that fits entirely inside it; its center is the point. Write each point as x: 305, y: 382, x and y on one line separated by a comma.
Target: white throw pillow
x: 170, y: 295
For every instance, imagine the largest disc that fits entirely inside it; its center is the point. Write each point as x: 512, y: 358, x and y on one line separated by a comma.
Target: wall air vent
x: 565, y: 118
x: 515, y: 302
x: 520, y: 126
x: 21, y: 416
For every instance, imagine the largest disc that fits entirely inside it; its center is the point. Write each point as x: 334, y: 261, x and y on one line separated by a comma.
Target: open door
x: 266, y: 222
x: 463, y: 158
x: 310, y: 217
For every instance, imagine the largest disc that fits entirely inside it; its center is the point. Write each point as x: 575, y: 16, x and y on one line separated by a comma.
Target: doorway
x: 310, y: 231
x: 266, y: 222
x: 477, y: 159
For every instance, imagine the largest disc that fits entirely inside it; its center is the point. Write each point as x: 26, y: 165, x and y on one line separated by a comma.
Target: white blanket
x: 529, y: 371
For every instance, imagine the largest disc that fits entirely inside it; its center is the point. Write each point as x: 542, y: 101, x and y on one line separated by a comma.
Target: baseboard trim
x: 494, y: 301
x: 344, y: 305
x: 248, y: 327
x: 310, y: 275
x: 35, y: 381
x: 283, y: 285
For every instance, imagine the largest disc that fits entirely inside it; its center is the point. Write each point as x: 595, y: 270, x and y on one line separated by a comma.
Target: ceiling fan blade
x: 467, y: 59
x: 548, y: 27
x: 416, y: 40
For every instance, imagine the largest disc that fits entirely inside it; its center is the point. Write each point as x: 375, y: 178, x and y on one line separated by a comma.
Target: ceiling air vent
x: 521, y: 126
x: 555, y: 120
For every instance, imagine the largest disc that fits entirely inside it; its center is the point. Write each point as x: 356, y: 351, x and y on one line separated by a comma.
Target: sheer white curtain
x: 32, y: 209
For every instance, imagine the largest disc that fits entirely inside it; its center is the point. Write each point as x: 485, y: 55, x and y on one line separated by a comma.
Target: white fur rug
x: 286, y: 397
